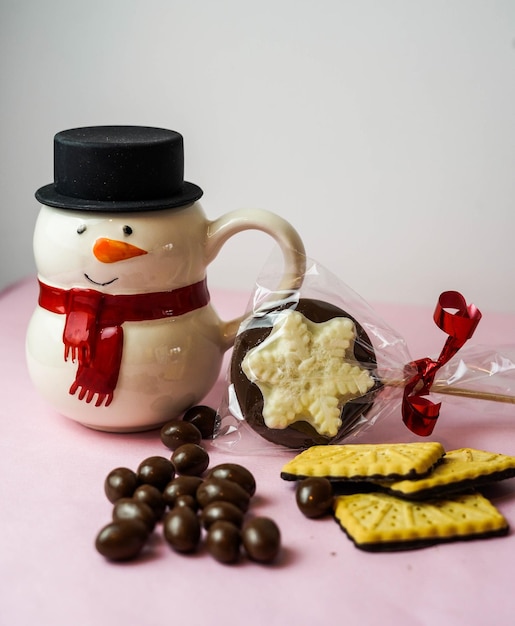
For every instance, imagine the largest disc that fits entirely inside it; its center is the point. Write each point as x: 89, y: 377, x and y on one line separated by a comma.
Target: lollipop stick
x: 442, y: 387
x: 471, y: 393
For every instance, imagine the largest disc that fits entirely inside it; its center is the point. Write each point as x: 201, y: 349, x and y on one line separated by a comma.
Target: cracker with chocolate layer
x: 461, y: 469
x: 365, y: 462
x: 378, y: 522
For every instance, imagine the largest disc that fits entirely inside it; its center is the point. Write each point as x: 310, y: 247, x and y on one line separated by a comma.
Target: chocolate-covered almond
x: 157, y: 471
x: 121, y: 540
x: 190, y: 459
x: 176, y: 433
x: 314, y: 496
x: 223, y: 542
x: 235, y: 472
x: 120, y: 483
x: 224, y: 490
x: 181, y: 529
x: 261, y: 539
x: 181, y: 486
x: 186, y: 500
x: 152, y: 497
x: 221, y: 511
x: 129, y: 508
x: 204, y: 418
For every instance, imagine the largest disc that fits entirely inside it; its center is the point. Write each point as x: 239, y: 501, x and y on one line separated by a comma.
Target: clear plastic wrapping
x: 318, y: 365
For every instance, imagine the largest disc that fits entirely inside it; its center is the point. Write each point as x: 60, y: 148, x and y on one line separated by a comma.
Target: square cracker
x: 459, y: 470
x: 358, y: 462
x: 379, y: 522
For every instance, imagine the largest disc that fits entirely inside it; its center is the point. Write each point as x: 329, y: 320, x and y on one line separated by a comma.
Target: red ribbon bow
x: 418, y: 413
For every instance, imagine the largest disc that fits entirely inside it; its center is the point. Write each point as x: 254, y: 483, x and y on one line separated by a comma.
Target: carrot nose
x: 111, y: 250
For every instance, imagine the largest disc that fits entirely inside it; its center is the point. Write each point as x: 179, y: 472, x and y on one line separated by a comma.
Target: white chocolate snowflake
x: 307, y: 372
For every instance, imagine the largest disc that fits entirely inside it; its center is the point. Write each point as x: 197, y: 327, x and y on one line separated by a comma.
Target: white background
x: 383, y: 130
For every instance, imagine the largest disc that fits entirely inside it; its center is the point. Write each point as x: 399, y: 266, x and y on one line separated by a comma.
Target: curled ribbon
x: 418, y: 413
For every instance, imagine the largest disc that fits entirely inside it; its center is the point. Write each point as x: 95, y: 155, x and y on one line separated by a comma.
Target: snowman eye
x: 127, y: 230
x: 81, y: 229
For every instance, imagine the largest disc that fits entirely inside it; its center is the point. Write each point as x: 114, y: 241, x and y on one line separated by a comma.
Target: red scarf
x: 93, y: 333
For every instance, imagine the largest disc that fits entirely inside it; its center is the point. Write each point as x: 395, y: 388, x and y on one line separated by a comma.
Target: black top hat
x: 118, y: 168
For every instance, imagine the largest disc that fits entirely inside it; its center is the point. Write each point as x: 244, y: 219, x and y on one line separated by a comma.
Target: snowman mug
x: 124, y: 337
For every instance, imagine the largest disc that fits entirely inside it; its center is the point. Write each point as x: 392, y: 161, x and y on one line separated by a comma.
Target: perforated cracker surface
x: 459, y: 469
x: 378, y: 521
x: 365, y: 461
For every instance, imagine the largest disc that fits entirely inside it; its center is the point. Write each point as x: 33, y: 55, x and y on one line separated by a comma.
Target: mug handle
x: 289, y: 241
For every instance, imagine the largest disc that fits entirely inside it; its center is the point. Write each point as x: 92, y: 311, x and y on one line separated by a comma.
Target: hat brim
x: 188, y: 193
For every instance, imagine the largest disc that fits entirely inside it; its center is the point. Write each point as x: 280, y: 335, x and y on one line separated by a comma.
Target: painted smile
x: 109, y: 282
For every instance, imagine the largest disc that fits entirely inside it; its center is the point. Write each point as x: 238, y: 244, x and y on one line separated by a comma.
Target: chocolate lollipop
x: 304, y: 374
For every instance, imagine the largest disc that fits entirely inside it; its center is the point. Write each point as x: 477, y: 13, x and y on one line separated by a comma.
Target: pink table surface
x: 52, y: 474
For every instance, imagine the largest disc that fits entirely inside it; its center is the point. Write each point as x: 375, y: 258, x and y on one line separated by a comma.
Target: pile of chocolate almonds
x: 192, y: 503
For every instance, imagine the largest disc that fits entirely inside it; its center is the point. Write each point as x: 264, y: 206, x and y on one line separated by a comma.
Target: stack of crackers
x: 407, y: 495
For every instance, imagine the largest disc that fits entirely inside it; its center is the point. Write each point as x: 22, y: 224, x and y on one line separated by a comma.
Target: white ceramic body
x: 167, y: 364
